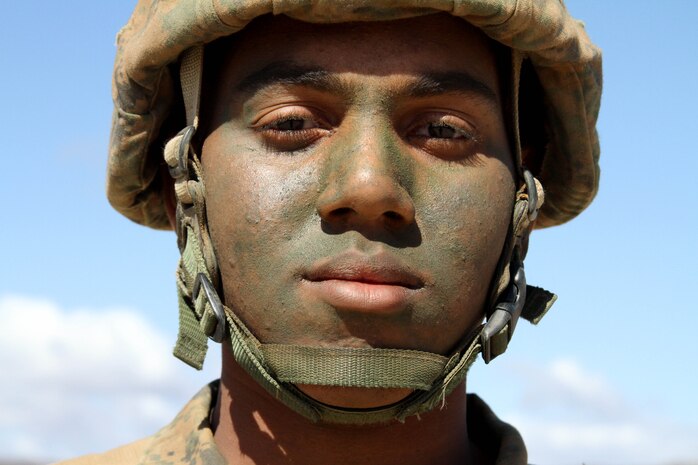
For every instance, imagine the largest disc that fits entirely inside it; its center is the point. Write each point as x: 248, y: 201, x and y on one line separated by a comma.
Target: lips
x: 353, y: 281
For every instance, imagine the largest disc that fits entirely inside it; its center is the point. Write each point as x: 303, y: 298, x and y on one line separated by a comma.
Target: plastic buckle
x: 500, y: 326
x: 216, y: 305
x: 181, y: 170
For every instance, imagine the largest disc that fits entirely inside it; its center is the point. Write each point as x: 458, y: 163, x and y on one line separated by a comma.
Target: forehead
x: 416, y: 46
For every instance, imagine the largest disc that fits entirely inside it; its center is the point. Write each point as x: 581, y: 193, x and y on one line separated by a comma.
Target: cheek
x: 257, y: 205
x: 470, y: 208
x: 464, y: 224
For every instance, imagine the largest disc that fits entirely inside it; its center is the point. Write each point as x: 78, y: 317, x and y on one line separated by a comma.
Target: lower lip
x: 363, y: 297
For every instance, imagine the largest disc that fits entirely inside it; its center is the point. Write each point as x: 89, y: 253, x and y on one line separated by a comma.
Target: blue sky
x: 613, y: 366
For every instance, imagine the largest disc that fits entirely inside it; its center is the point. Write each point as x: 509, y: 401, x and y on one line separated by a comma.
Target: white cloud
x: 569, y: 415
x: 564, y: 383
x: 634, y: 441
x: 78, y: 381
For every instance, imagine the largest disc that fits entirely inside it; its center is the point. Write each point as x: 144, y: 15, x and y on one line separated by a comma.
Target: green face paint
x: 359, y: 184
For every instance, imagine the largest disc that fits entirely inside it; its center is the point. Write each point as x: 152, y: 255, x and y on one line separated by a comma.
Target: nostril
x: 391, y: 215
x: 339, y: 212
x: 383, y: 203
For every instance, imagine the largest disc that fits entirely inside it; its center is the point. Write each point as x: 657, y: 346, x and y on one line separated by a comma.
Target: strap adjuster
x: 532, y: 191
x: 218, y: 332
x: 181, y: 170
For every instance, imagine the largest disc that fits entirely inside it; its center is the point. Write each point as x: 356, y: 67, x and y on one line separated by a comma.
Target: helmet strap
x: 509, y: 295
x: 278, y: 368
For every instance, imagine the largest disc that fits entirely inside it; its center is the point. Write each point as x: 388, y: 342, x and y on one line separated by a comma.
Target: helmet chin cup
x: 500, y: 326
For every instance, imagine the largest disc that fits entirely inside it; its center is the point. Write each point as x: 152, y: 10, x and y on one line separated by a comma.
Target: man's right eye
x: 291, y: 123
x: 291, y: 129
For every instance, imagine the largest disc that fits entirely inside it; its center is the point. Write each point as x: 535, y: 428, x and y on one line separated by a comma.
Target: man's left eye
x: 442, y: 131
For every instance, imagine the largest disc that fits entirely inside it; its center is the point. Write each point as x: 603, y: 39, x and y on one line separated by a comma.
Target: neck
x: 252, y: 427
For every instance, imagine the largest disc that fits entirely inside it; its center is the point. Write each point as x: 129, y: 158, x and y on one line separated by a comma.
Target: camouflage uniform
x: 188, y: 440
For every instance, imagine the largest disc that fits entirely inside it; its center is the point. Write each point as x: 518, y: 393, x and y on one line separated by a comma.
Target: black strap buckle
x: 500, y: 326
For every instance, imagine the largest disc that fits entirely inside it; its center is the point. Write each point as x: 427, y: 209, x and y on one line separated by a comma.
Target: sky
x: 87, y: 298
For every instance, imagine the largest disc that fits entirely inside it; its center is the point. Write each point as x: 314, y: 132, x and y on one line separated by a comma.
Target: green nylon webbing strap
x: 192, y: 339
x: 250, y: 355
x: 348, y: 367
x: 192, y: 342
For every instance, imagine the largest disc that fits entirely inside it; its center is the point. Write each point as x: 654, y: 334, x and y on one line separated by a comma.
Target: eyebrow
x: 428, y: 84
x: 436, y: 83
x: 288, y: 73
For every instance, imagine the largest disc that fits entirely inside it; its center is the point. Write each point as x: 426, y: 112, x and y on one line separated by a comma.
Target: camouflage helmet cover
x: 567, y: 67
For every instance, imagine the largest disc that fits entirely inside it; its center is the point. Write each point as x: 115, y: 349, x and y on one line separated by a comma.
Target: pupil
x: 441, y: 131
x: 291, y: 125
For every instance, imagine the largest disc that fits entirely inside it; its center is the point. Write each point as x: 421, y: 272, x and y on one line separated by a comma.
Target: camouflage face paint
x: 359, y: 182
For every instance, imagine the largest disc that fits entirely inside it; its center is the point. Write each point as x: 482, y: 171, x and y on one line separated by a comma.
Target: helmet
x: 559, y: 58
x: 555, y: 79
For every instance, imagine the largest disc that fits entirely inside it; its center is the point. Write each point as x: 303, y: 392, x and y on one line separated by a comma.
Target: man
x: 352, y: 192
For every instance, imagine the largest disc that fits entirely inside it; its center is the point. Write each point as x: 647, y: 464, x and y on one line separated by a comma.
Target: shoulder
x: 130, y: 454
x: 173, y: 444
x: 494, y: 438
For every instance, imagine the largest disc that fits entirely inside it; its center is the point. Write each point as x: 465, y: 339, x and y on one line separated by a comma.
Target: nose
x: 363, y: 186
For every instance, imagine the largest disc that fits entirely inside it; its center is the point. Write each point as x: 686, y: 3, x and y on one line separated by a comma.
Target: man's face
x: 358, y: 181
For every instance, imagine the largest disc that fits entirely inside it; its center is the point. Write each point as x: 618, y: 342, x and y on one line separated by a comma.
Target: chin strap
x: 279, y: 368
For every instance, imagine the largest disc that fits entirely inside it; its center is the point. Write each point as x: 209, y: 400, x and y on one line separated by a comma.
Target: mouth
x: 356, y: 282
